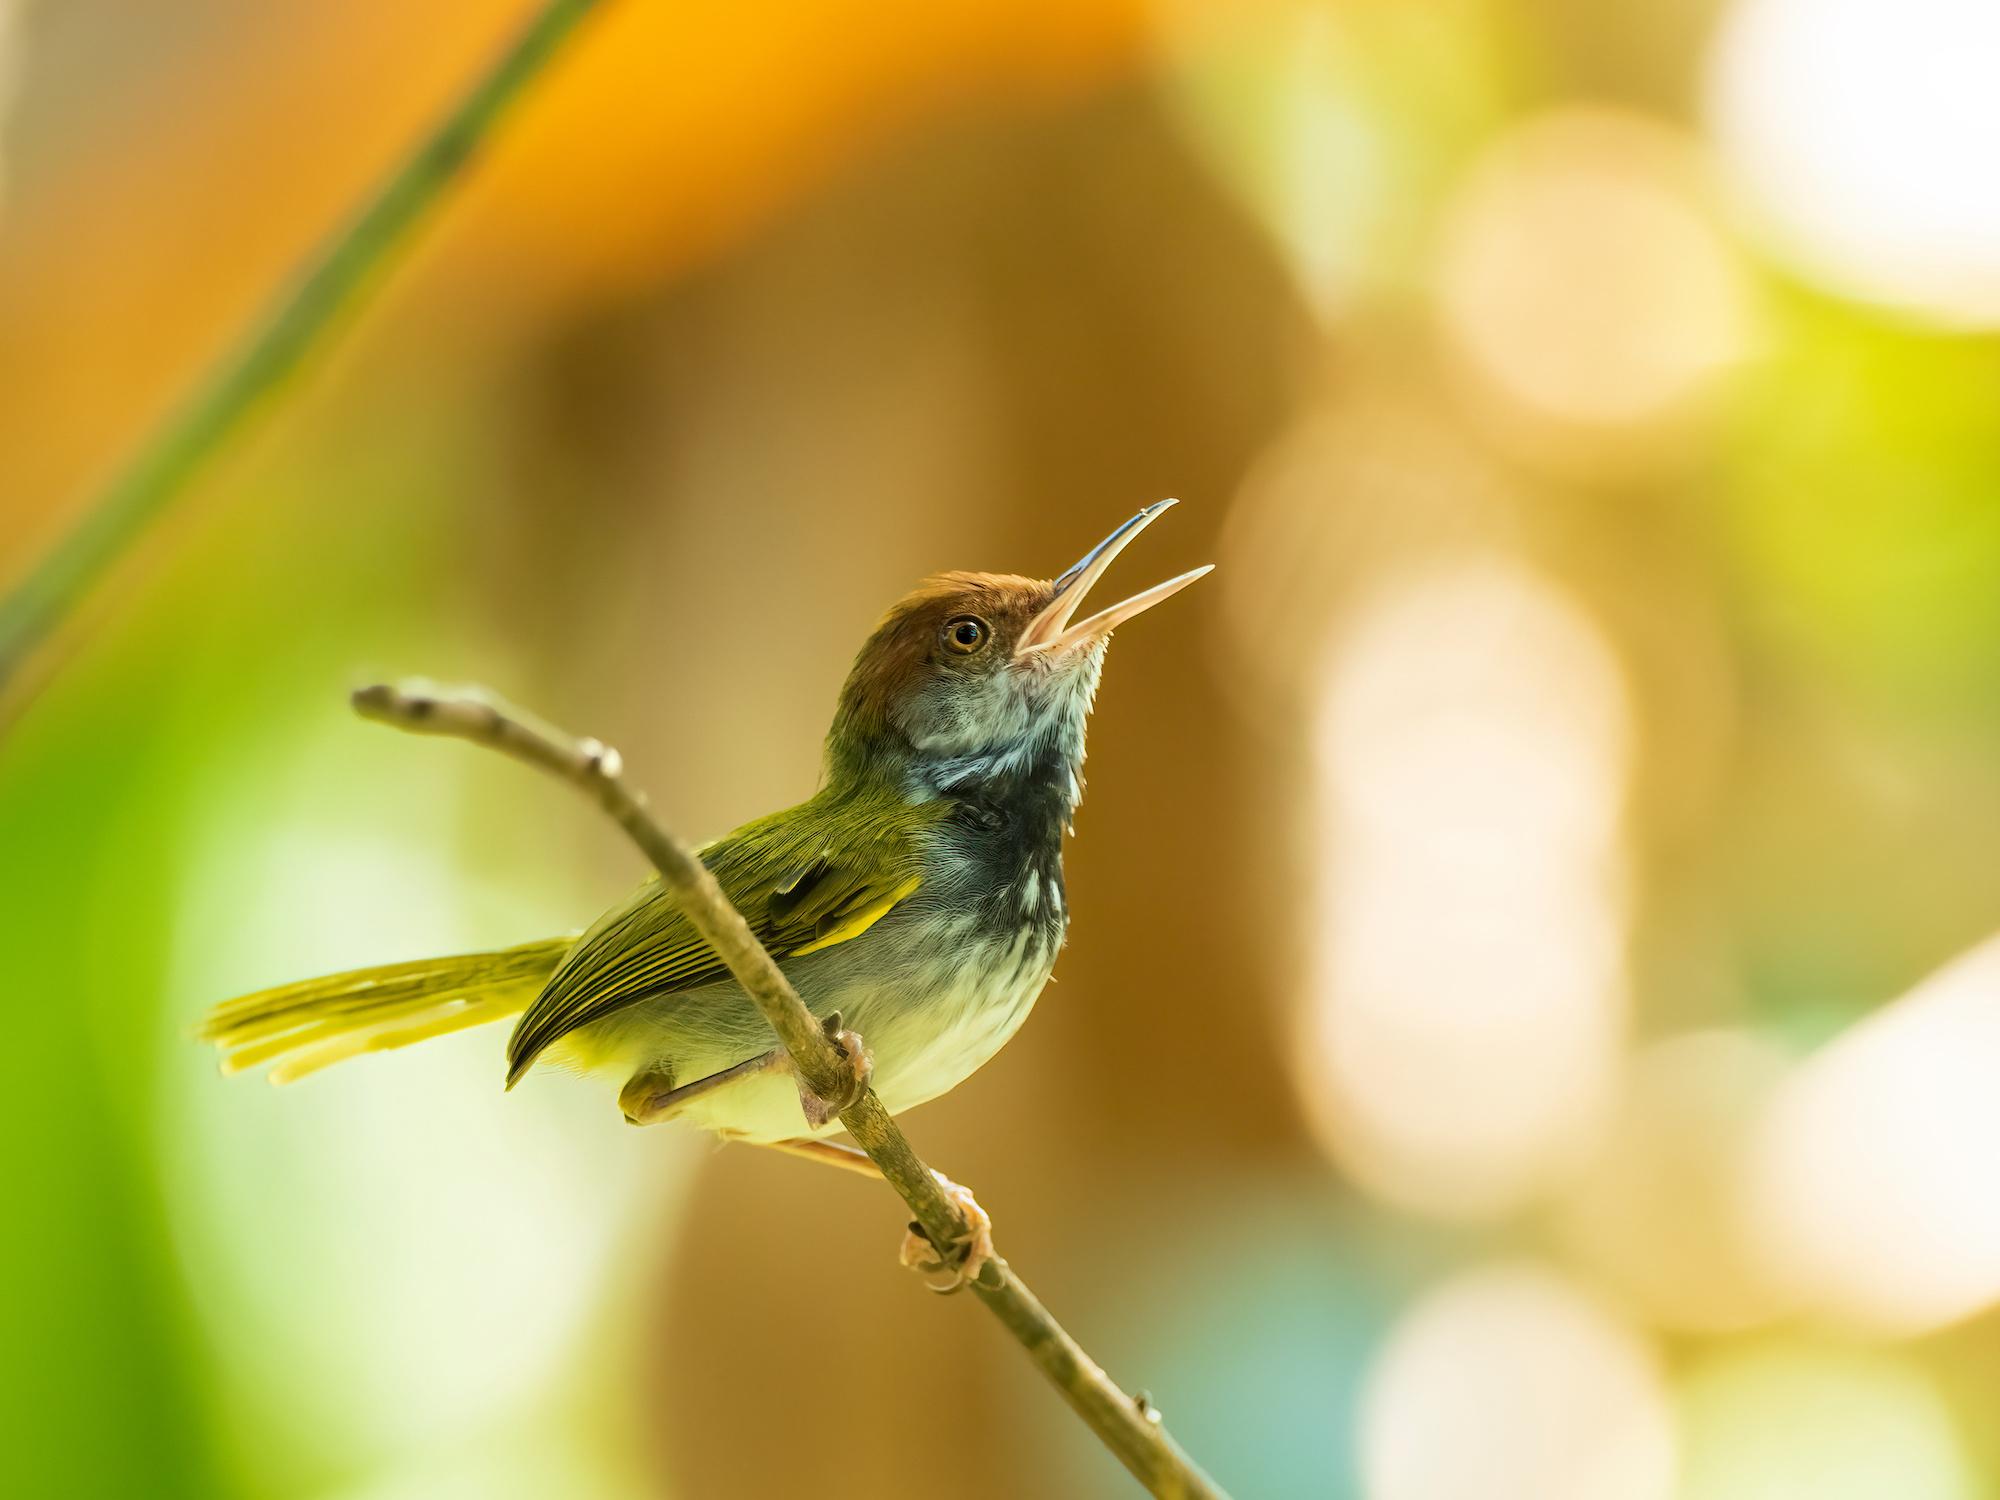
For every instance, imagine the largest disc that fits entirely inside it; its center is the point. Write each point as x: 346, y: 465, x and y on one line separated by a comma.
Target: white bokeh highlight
x: 1580, y: 275
x: 1874, y: 1189
x: 1863, y: 136
x: 1506, y: 1383
x: 1469, y: 1002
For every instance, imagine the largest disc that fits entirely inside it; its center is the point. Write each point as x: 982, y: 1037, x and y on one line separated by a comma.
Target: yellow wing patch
x: 862, y: 920
x: 807, y: 879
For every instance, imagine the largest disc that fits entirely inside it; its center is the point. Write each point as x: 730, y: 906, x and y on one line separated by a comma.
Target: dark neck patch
x: 1009, y: 816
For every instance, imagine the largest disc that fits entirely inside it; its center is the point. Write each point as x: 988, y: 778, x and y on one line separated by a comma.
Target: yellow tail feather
x: 318, y: 1022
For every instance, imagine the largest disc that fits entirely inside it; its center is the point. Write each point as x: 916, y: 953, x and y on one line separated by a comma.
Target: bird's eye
x: 965, y: 635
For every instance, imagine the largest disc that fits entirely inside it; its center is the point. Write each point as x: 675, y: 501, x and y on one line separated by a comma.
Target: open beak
x: 1051, y: 630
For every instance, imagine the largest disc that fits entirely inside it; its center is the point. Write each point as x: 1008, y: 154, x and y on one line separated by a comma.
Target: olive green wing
x: 803, y: 880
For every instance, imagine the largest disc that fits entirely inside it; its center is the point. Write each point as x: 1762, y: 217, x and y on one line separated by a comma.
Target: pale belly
x: 950, y: 1006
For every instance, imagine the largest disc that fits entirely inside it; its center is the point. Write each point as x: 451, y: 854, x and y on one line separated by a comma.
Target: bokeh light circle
x: 1506, y: 1383
x: 1580, y: 276
x: 1469, y: 1006
x: 1864, y: 137
x: 1875, y: 1182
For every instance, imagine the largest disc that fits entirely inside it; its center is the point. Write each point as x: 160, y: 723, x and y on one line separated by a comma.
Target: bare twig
x: 331, y: 286
x: 1129, y: 1427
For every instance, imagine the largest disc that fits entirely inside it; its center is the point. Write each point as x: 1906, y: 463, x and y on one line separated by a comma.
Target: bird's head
x: 976, y: 674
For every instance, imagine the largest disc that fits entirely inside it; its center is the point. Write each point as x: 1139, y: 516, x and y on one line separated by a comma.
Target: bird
x: 916, y: 901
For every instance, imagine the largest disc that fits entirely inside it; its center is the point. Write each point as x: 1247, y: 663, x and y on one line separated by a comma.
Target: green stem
x: 334, y: 284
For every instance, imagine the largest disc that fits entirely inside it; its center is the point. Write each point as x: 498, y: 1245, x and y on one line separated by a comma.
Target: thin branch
x: 1129, y: 1427
x: 332, y: 285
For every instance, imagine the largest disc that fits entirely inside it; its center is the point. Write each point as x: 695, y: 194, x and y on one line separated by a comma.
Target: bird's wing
x: 803, y: 880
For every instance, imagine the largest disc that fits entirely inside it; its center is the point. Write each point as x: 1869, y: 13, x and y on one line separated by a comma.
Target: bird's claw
x: 972, y: 1249
x: 820, y: 1111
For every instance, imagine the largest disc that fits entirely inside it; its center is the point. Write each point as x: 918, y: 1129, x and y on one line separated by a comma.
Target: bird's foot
x: 820, y: 1112
x: 968, y: 1252
x: 648, y: 1097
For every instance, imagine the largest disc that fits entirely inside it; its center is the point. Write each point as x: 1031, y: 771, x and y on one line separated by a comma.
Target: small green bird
x: 919, y: 893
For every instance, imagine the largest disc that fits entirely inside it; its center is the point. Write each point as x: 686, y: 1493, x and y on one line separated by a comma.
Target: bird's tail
x: 315, y: 1023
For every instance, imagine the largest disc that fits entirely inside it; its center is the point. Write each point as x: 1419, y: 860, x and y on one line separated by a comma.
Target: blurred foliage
x: 254, y: 625
x: 1861, y: 493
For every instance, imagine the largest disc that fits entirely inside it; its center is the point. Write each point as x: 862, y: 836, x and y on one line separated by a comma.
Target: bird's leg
x: 968, y: 1253
x: 820, y: 1112
x: 650, y: 1097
